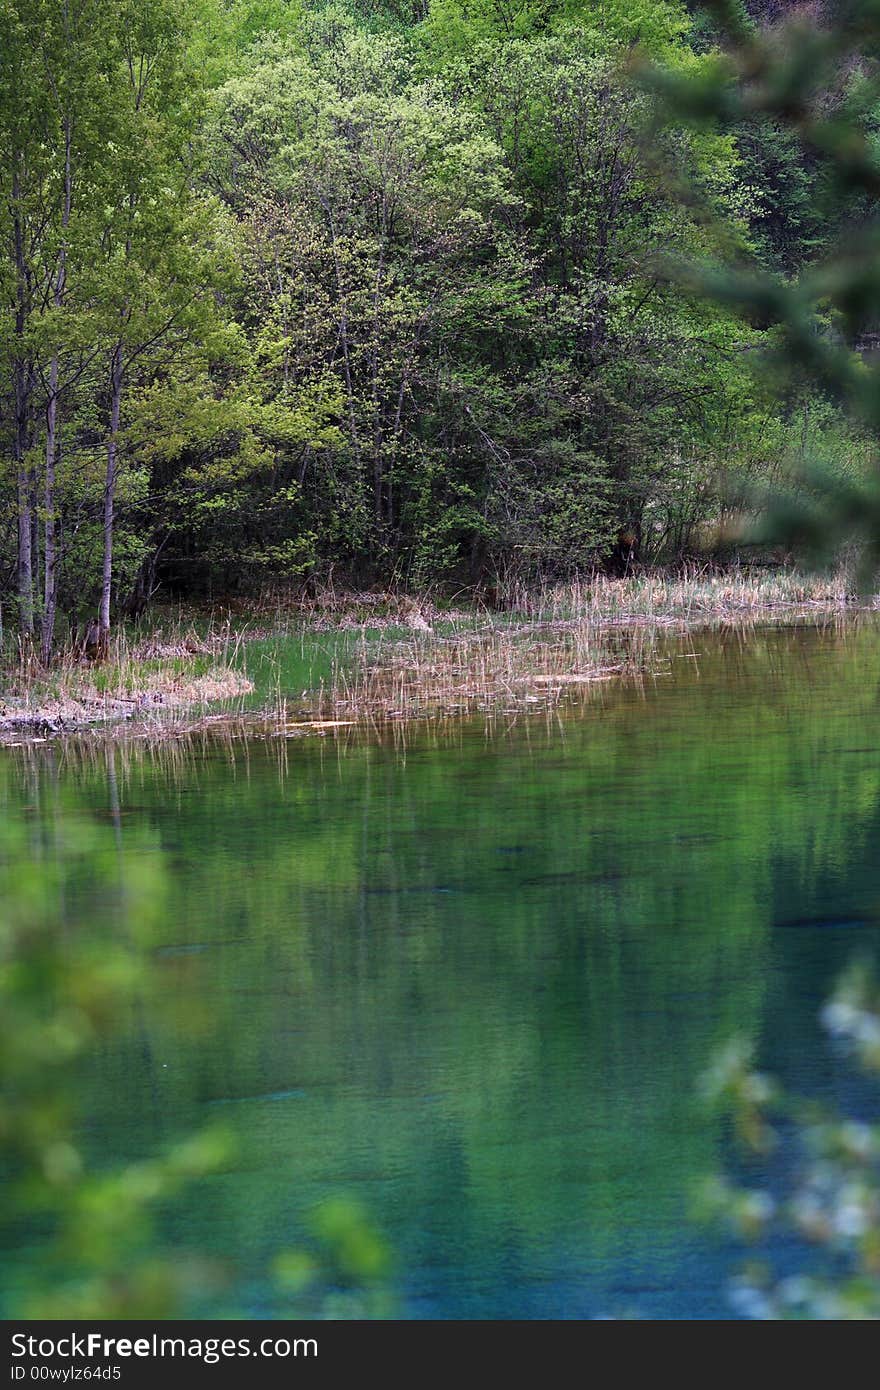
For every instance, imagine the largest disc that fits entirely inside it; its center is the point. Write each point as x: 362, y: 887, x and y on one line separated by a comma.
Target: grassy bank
x: 344, y: 657
x: 172, y: 671
x: 549, y: 644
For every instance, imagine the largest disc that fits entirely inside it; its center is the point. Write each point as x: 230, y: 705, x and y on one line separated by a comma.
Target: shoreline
x: 406, y: 658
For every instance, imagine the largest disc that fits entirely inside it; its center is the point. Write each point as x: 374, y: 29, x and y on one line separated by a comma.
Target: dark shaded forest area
x: 383, y: 292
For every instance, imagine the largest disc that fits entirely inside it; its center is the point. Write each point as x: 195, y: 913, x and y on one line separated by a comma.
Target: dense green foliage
x: 379, y: 290
x: 805, y: 95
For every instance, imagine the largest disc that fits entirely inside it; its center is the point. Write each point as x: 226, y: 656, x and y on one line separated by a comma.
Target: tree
x: 372, y: 214
x: 820, y: 84
x: 113, y: 257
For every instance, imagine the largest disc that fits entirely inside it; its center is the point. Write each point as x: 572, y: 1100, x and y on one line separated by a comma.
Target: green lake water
x: 470, y: 976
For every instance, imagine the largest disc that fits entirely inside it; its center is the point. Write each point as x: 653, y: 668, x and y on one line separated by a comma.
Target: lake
x: 470, y: 974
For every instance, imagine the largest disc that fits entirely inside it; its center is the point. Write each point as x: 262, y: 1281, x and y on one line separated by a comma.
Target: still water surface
x: 472, y: 976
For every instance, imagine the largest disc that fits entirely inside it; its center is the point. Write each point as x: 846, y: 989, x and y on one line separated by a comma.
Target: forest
x: 439, y: 661
x: 385, y: 292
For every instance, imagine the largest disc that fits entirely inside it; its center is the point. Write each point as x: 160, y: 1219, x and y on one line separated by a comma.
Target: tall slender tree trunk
x: 50, y: 534
x: 116, y: 375
x: 21, y: 435
x: 344, y: 343
x: 25, y: 512
x: 34, y: 508
x: 374, y: 393
x: 50, y: 556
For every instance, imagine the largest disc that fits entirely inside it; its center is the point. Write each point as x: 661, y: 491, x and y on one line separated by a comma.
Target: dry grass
x: 555, y: 643
x: 695, y: 593
x: 499, y: 668
x: 416, y: 657
x: 692, y: 591
x: 174, y: 671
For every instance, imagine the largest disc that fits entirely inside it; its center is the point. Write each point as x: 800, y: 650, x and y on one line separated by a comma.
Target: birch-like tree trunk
x: 21, y: 433
x: 116, y: 381
x: 50, y: 534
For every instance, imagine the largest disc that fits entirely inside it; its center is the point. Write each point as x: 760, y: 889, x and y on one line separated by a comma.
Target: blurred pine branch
x: 816, y: 76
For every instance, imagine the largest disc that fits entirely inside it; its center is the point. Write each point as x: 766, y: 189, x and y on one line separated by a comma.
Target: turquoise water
x: 470, y: 976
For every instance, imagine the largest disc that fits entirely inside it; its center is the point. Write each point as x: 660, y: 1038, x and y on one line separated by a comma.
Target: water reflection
x: 471, y: 975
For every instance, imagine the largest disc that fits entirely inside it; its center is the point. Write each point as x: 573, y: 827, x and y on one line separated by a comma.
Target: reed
x: 175, y: 668
x: 692, y: 592
x: 555, y: 643
x: 400, y: 657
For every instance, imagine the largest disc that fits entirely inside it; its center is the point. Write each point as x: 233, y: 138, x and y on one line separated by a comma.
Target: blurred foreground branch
x: 815, y: 76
